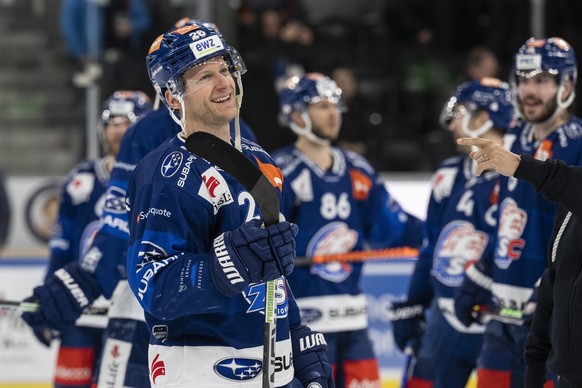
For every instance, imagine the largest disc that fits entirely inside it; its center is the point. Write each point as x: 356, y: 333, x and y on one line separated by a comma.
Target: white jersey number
x: 332, y: 206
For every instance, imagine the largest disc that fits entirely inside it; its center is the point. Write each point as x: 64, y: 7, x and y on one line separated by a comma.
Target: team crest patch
x: 171, y: 164
x: 335, y: 237
x: 512, y: 222
x: 459, y: 243
x: 214, y: 189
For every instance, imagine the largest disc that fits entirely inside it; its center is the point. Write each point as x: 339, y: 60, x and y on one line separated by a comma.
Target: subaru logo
x: 238, y: 369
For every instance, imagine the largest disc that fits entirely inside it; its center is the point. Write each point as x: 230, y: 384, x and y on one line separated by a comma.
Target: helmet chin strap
x: 239, y: 96
x: 181, y: 121
x: 487, y: 125
x: 306, y: 131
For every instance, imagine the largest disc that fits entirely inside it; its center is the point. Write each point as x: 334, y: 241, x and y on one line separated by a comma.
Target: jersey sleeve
x: 390, y: 225
x: 60, y: 243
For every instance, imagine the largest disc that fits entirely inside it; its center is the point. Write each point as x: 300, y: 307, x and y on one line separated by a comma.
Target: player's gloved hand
x: 62, y: 298
x: 45, y: 336
x: 252, y: 253
x: 310, y: 358
x: 474, y: 291
x: 407, y: 324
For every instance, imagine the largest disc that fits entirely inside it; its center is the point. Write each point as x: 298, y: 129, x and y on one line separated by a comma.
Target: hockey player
x: 81, y: 206
x: 340, y: 206
x: 102, y: 269
x: 198, y: 256
x: 460, y: 225
x: 543, y: 81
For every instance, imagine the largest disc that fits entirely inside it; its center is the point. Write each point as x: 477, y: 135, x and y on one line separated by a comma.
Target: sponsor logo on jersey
x: 283, y: 362
x: 153, y: 212
x: 442, y: 182
x: 81, y: 187
x: 185, y: 171
x: 205, y: 47
x: 272, y: 172
x: 171, y: 164
x: 88, y: 236
x: 361, y: 185
x: 309, y: 315
x: 115, y: 201
x: 302, y: 186
x: 238, y: 369
x: 458, y: 244
x: 544, y: 150
x: 155, y: 266
x: 214, y: 189
x: 150, y: 252
x: 158, y: 368
x: 335, y: 237
x: 512, y: 222
x: 255, y: 295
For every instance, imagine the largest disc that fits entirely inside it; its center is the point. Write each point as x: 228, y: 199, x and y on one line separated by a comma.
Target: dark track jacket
x: 555, y: 339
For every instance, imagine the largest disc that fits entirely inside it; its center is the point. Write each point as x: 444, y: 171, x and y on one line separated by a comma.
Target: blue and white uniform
x: 178, y: 203
x: 459, y: 228
x: 340, y: 210
x: 80, y: 208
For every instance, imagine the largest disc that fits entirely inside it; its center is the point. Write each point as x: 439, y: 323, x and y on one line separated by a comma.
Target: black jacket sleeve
x: 554, y: 180
x: 4, y: 212
x: 538, y: 345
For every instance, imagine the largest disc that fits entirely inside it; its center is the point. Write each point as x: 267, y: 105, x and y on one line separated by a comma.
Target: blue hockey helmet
x: 301, y: 91
x: 131, y: 104
x: 488, y: 94
x: 184, y: 47
x: 553, y: 55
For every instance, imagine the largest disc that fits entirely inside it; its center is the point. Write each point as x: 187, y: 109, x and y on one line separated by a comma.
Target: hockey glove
x: 62, y: 298
x: 407, y: 324
x: 474, y: 291
x: 45, y: 336
x: 252, y: 254
x: 310, y: 358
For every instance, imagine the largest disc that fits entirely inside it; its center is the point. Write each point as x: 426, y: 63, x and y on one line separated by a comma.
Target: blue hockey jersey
x: 525, y: 218
x: 340, y: 210
x: 81, y: 205
x: 177, y: 204
x: 459, y: 228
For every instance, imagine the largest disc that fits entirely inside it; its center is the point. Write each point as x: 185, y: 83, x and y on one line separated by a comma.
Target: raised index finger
x: 473, y: 141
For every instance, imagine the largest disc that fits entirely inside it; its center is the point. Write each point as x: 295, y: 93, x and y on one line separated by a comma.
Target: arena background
x: 407, y: 55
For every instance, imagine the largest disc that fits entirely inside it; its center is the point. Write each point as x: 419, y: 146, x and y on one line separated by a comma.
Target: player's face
x: 209, y: 95
x: 115, y: 128
x: 325, y: 119
x: 536, y: 97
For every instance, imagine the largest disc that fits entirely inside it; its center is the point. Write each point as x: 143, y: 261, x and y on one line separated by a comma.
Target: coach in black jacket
x: 555, y: 339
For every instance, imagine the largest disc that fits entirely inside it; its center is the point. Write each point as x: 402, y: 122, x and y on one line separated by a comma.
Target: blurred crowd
x: 396, y: 61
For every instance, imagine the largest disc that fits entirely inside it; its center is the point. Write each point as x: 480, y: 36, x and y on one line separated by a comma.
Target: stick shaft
x: 359, y: 256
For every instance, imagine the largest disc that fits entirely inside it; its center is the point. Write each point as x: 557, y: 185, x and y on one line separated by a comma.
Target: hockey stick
x: 505, y: 315
x: 265, y: 195
x: 359, y: 256
x: 408, y: 362
x: 31, y: 307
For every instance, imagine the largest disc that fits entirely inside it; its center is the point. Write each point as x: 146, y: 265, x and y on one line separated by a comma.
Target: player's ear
x: 172, y: 101
x: 297, y: 119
